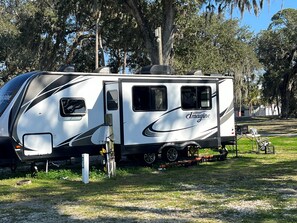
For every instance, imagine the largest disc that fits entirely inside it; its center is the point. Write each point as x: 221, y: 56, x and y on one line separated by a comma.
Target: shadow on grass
x: 243, y: 189
x: 269, y: 124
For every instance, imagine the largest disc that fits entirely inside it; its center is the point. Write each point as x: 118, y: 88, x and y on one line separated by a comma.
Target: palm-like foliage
x: 242, y: 5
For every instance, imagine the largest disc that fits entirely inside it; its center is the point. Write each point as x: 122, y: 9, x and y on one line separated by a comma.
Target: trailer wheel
x: 170, y: 154
x: 149, y: 158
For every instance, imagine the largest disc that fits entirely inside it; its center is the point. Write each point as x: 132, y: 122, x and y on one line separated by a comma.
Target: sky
x: 262, y: 21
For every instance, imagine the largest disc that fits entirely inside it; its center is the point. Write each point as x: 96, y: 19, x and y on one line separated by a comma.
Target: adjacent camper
x: 57, y: 115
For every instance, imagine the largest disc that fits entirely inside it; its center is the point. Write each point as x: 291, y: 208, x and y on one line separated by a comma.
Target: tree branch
x: 77, y: 41
x: 134, y: 8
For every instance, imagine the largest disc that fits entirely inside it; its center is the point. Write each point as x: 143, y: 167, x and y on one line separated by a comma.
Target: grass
x: 248, y: 188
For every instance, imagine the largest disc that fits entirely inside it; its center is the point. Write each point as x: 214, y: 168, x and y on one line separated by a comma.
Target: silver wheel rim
x: 149, y: 158
x: 172, y: 154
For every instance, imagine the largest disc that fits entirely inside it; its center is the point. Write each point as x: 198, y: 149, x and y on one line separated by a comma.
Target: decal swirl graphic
x: 194, y: 118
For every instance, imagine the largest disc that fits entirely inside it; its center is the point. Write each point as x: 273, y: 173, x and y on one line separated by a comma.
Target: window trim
x: 150, y: 94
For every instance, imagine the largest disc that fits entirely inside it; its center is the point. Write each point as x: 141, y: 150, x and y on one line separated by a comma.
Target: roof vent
x: 156, y: 69
x: 102, y: 70
x: 195, y: 72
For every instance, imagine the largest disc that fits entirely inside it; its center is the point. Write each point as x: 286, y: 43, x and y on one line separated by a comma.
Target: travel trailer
x: 58, y: 115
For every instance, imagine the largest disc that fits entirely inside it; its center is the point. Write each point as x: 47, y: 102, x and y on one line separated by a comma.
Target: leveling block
x: 194, y: 161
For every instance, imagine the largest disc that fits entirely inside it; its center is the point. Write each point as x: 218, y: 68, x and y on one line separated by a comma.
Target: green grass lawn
x: 249, y: 187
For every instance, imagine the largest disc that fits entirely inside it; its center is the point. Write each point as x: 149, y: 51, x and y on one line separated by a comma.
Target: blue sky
x: 262, y: 21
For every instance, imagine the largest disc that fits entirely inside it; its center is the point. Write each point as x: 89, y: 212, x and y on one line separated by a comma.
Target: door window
x: 112, y: 100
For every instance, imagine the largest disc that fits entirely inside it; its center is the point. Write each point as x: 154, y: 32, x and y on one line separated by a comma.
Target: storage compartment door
x: 37, y: 144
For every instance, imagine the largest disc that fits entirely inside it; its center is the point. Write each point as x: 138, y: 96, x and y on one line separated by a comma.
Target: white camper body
x: 55, y: 115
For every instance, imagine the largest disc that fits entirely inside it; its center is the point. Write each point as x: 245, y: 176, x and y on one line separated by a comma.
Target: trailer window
x: 149, y: 98
x: 112, y: 100
x: 9, y: 90
x: 195, y: 97
x: 72, y: 107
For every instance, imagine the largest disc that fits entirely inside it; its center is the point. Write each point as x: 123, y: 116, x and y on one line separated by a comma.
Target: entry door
x: 112, y: 107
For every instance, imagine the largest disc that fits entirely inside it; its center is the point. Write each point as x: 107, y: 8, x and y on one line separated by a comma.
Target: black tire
x: 170, y: 154
x: 149, y: 158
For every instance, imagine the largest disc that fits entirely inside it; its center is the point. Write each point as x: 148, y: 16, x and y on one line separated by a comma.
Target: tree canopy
x: 46, y: 34
x: 277, y: 51
x: 43, y: 35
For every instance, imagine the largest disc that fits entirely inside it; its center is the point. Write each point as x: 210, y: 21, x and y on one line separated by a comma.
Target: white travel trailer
x: 57, y: 115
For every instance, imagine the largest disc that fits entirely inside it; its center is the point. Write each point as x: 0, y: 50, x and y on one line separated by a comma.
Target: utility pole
x: 158, y: 34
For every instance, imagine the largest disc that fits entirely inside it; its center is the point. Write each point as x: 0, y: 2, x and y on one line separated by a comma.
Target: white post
x: 85, y: 168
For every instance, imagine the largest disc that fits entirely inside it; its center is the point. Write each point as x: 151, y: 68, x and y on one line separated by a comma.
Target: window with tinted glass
x: 112, y: 100
x: 195, y: 97
x: 9, y: 90
x: 149, y: 98
x: 72, y: 107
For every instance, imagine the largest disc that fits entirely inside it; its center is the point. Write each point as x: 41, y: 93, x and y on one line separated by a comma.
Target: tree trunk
x: 134, y: 8
x: 277, y: 106
x: 168, y: 28
x: 97, y: 39
x: 125, y: 62
x: 169, y: 13
x: 286, y: 89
